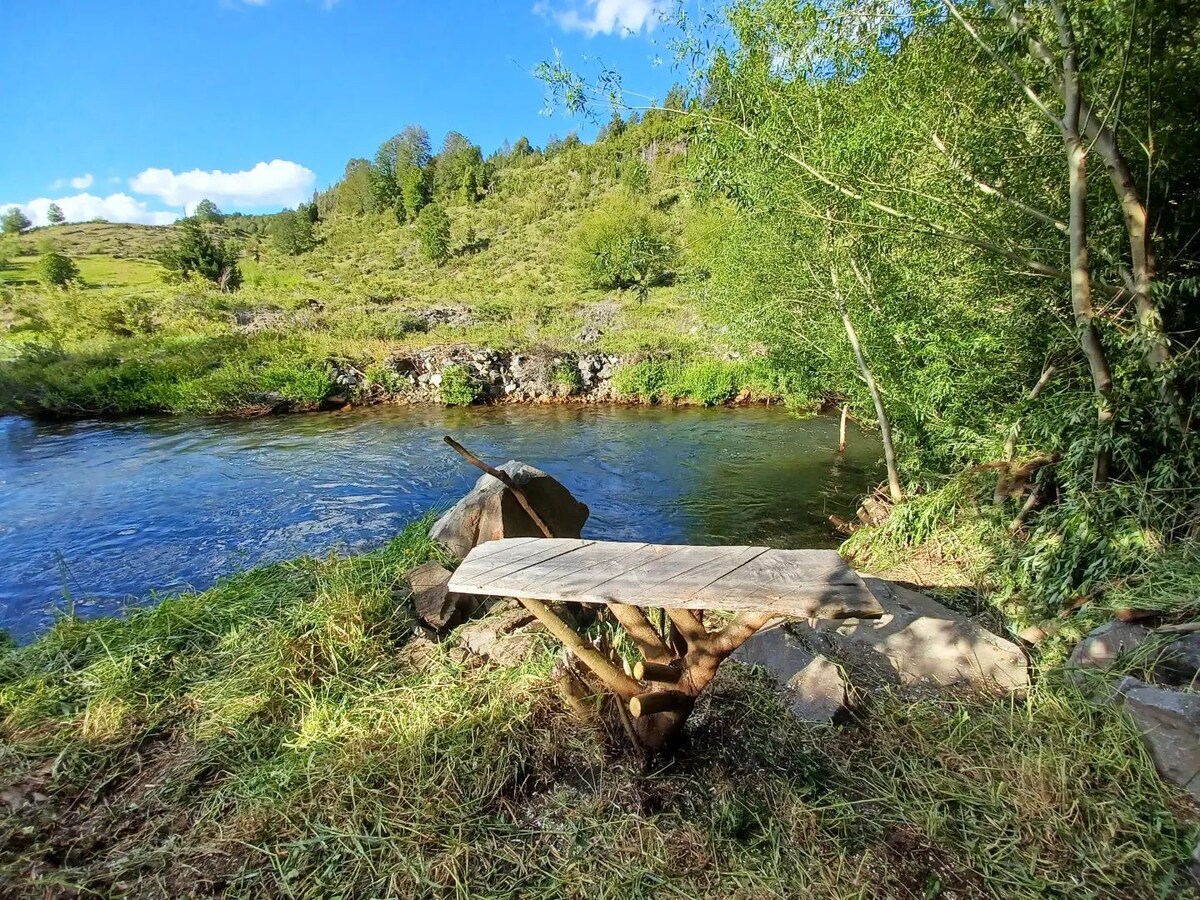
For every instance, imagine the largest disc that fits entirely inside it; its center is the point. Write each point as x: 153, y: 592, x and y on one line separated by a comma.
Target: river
x: 98, y: 515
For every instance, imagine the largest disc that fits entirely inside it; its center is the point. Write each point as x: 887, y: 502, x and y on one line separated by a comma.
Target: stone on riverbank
x: 436, y: 606
x: 506, y: 637
x: 918, y: 640
x: 816, y: 688
x: 1169, y: 722
x: 1103, y: 647
x: 491, y: 511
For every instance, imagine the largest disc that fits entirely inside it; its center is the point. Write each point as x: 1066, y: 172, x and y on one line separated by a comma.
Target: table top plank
x: 798, y: 583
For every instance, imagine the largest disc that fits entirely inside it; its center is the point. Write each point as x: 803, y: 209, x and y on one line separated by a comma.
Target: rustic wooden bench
x: 680, y: 653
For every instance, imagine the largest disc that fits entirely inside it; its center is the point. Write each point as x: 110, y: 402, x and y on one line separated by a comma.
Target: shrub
x: 458, y: 388
x: 433, y: 231
x: 56, y: 270
x: 566, y: 377
x: 623, y: 244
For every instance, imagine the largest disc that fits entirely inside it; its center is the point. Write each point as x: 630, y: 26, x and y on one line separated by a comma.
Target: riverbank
x: 272, y: 737
x: 273, y: 373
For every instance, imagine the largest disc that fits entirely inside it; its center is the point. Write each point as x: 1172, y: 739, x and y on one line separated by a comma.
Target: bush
x: 458, y: 388
x: 623, y: 244
x: 566, y: 377
x: 56, y: 270
x: 433, y: 231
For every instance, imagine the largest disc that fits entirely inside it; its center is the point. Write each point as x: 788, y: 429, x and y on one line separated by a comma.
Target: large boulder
x: 918, y: 640
x: 815, y: 687
x: 1169, y: 722
x: 491, y: 511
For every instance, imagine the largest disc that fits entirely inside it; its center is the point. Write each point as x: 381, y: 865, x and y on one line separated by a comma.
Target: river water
x: 100, y: 515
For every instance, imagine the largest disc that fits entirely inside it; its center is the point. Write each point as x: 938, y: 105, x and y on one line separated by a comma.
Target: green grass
x: 269, y: 737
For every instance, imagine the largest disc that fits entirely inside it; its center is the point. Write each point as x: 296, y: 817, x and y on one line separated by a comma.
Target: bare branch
x: 995, y: 192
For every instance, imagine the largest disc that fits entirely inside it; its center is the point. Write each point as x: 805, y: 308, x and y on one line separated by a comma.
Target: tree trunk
x: 1081, y: 279
x: 885, y: 428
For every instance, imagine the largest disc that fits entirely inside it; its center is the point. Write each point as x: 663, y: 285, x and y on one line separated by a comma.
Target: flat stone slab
x: 920, y: 640
x: 1169, y: 722
x: 814, y: 584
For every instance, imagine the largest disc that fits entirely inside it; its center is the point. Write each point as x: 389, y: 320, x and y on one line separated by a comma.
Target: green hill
x: 125, y: 339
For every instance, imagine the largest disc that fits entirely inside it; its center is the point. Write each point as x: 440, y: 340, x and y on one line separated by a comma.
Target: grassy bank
x: 270, y: 737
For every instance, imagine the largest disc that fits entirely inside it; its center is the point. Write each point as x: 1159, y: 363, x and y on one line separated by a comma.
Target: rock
x: 436, y: 606
x: 919, y: 640
x: 1102, y: 647
x: 1179, y: 663
x: 815, y: 683
x: 491, y: 511
x: 1169, y: 722
x: 507, y: 638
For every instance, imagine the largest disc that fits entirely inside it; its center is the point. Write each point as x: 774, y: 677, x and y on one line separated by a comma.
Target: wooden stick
x: 610, y: 676
x: 646, y: 670
x: 506, y: 480
x: 657, y: 702
x: 842, y: 429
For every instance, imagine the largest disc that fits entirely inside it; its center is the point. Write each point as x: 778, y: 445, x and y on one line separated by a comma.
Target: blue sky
x: 136, y: 109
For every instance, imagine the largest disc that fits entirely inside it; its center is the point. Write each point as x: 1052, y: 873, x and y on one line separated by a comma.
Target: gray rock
x: 1169, y: 722
x: 918, y: 640
x: 815, y: 684
x: 435, y: 605
x: 507, y: 638
x: 491, y: 511
x: 1102, y: 647
x: 1179, y: 662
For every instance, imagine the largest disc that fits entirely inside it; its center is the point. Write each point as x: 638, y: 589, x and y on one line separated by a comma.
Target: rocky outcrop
x: 491, y: 511
x: 498, y: 376
x: 1169, y: 722
x: 918, y: 640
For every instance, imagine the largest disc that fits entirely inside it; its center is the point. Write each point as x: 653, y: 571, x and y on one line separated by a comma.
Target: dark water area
x: 101, y: 515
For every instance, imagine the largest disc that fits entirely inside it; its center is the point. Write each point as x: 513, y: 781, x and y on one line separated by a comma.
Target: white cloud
x: 277, y: 183
x: 82, y: 182
x: 593, y: 17
x: 83, y: 207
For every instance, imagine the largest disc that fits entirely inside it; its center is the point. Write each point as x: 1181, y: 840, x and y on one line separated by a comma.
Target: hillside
x: 365, y: 295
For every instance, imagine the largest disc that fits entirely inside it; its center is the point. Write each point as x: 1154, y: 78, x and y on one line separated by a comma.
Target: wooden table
x: 813, y: 584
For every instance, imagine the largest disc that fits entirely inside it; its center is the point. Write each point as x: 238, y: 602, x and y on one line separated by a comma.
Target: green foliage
x: 56, y: 270
x: 565, y: 377
x: 207, y: 212
x: 55, y: 215
x: 623, y: 244
x: 15, y: 221
x: 197, y: 252
x: 458, y: 387
x: 433, y: 231
x: 292, y: 232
